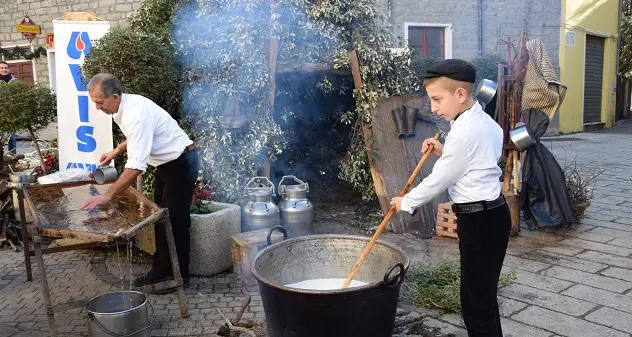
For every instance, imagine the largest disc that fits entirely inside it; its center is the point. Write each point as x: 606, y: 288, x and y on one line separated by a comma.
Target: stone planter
x: 210, y: 239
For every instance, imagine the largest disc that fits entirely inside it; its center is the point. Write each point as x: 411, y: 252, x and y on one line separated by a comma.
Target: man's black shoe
x: 152, y: 277
x: 185, y: 284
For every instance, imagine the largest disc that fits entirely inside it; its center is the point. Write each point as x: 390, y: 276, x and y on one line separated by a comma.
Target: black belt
x: 478, y: 206
x: 189, y: 148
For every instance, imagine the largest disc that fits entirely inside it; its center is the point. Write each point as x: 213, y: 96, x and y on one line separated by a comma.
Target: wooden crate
x: 245, y: 246
x: 446, y: 221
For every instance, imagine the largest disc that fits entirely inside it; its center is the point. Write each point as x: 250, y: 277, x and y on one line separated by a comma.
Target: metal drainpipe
x: 617, y: 91
x: 480, y: 27
x: 390, y: 15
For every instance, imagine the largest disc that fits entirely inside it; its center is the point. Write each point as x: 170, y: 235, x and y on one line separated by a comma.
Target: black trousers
x: 483, y: 238
x: 176, y: 180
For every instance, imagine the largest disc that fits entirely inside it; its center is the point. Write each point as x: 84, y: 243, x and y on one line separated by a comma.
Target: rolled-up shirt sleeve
x: 448, y: 169
x: 139, y: 139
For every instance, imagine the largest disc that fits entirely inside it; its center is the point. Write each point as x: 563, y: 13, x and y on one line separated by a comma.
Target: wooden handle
x: 508, y: 170
x: 389, y: 215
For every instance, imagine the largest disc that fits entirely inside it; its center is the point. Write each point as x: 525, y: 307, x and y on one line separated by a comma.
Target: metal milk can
x: 297, y: 213
x: 260, y: 211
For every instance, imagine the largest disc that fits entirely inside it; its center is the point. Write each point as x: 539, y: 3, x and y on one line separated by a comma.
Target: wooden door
x: 23, y: 70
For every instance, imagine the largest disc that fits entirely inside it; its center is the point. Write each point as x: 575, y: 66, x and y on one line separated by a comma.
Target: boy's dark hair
x: 2, y: 62
x: 450, y: 84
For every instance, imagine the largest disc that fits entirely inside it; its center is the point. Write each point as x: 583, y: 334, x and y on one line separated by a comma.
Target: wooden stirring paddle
x: 389, y: 215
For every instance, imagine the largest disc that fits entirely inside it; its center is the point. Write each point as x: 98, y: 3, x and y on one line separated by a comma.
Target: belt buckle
x: 454, y: 208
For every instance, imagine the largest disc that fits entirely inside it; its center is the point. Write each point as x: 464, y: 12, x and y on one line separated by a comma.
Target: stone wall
x: 43, y: 12
x: 501, y: 18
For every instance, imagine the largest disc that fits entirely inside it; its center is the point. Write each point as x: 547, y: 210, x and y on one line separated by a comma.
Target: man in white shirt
x: 468, y: 168
x: 154, y: 138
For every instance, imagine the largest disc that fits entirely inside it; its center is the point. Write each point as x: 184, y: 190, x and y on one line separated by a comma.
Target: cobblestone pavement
x: 575, y: 283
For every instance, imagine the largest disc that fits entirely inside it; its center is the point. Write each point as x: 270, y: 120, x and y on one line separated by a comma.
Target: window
x: 52, y: 73
x: 427, y: 41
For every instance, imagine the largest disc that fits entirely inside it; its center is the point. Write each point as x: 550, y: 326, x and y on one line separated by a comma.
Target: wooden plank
x: 87, y: 245
x: 80, y: 16
x: 271, y: 55
x: 367, y: 132
x: 393, y: 163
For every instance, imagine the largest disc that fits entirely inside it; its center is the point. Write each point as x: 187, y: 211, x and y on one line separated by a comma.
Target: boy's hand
x: 438, y: 147
x: 397, y: 202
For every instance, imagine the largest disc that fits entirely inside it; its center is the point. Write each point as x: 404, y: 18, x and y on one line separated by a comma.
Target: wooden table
x: 56, y: 213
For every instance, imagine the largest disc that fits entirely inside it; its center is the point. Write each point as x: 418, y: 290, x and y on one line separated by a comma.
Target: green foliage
x: 226, y: 61
x: 18, y: 53
x: 144, y: 64
x: 155, y: 17
x: 354, y: 168
x: 487, y: 67
x: 24, y: 106
x: 438, y: 286
x: 625, y: 65
x: 203, y: 208
x: 419, y: 65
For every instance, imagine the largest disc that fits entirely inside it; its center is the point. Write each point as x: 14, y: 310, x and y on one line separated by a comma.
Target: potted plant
x: 212, y: 225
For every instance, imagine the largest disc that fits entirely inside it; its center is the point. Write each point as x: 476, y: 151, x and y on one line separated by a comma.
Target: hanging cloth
x: 545, y: 200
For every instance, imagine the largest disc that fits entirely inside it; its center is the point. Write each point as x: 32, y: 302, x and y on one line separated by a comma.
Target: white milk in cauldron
x: 325, y: 284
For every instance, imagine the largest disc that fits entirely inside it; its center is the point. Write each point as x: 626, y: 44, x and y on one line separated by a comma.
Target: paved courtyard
x: 575, y: 283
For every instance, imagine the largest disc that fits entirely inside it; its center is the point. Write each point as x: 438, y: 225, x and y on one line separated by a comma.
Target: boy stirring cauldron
x: 467, y: 167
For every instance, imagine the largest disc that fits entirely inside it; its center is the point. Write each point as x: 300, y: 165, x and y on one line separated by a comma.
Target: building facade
x: 579, y: 35
x: 42, y: 13
x: 588, y: 61
x: 466, y: 29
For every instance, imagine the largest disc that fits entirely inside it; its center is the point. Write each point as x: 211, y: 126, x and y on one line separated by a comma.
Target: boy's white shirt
x: 468, y: 166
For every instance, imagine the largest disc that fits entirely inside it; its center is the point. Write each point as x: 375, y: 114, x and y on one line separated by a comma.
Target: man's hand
x: 438, y: 147
x: 96, y: 201
x: 107, y: 157
x: 397, y: 202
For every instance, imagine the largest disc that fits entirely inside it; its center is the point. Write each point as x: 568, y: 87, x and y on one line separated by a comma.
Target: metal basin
x: 486, y: 90
x: 120, y: 313
x: 367, y: 310
x: 520, y: 137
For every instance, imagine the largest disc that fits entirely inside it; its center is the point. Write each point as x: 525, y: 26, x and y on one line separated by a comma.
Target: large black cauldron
x: 366, y: 311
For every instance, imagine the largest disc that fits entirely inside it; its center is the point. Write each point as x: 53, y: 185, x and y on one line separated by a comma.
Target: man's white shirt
x: 153, y: 136
x: 468, y: 167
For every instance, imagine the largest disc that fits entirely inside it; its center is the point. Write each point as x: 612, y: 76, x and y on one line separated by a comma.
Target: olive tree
x: 28, y: 107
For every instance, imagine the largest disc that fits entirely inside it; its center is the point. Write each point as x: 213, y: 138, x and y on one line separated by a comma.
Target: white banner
x: 84, y: 132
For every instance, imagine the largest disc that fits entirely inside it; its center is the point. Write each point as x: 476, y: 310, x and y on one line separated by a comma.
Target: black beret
x: 455, y: 69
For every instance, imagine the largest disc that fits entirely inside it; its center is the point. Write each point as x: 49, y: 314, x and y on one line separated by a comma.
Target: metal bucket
x: 105, y: 174
x: 360, y: 311
x: 119, y: 314
x: 521, y: 137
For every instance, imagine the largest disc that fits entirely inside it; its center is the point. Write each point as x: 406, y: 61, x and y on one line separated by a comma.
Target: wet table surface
x: 59, y: 207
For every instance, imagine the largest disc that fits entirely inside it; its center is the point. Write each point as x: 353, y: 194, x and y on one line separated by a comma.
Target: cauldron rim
x: 366, y: 287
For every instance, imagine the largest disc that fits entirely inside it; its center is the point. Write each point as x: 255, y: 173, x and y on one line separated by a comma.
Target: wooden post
x: 50, y: 314
x: 25, y: 235
x: 272, y: 53
x: 175, y: 265
x: 367, y: 132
